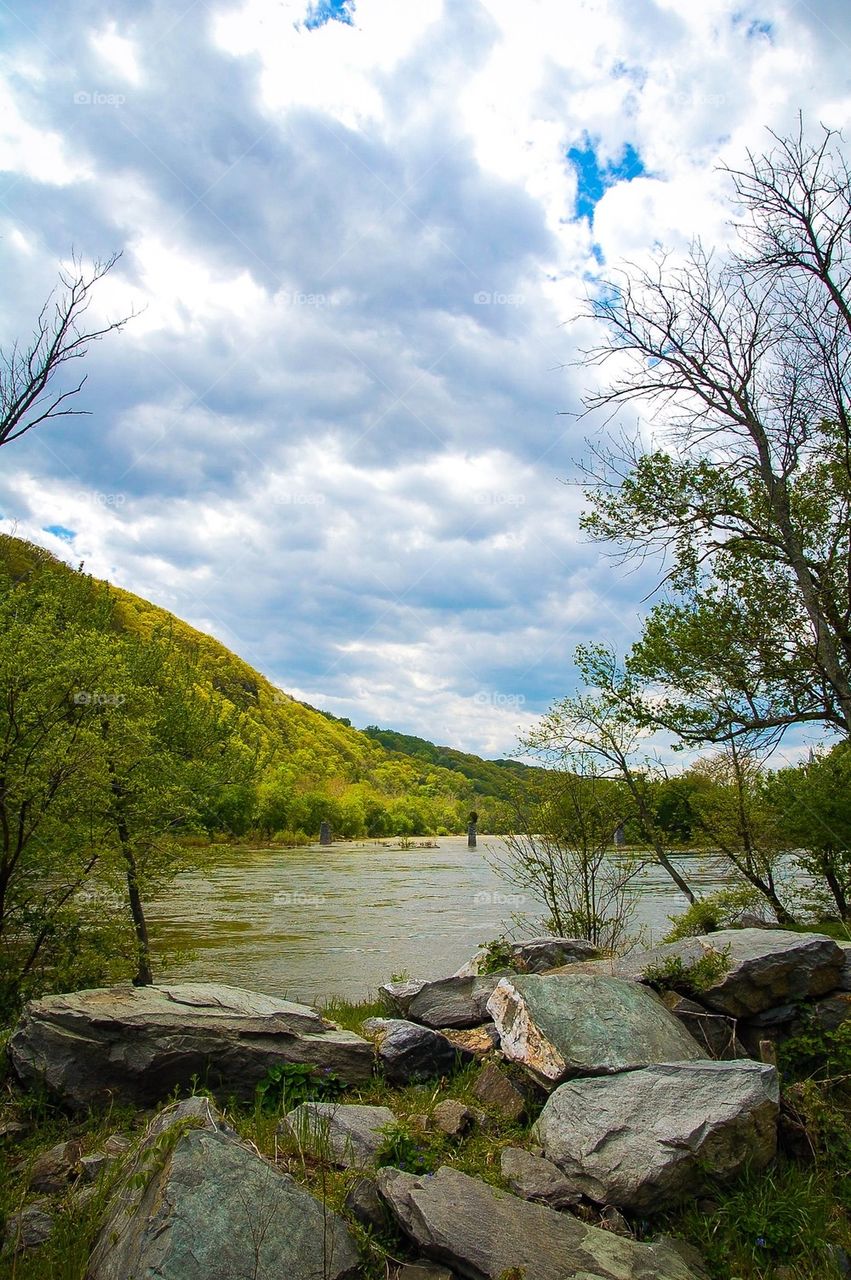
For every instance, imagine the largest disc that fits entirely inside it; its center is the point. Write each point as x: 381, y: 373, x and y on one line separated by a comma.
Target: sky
x: 341, y: 433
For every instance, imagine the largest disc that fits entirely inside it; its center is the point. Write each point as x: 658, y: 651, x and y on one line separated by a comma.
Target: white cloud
x: 313, y: 442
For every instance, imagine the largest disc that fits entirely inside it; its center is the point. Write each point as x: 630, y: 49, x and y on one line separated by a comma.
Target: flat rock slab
x: 210, y: 1208
x: 352, y: 1134
x: 560, y: 1026
x: 481, y: 1232
x: 135, y: 1044
x: 411, y: 1054
x: 646, y: 1140
x: 765, y: 967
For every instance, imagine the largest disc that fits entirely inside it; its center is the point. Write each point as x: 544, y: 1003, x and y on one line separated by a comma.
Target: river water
x: 317, y: 922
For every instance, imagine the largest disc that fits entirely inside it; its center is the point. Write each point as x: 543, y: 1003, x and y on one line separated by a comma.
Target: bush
x: 715, y: 911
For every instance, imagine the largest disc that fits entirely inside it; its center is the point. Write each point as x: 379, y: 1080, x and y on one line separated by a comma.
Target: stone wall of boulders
x: 644, y: 1096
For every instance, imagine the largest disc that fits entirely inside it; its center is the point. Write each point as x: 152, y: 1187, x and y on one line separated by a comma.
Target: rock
x: 365, y: 1204
x: 29, y: 1227
x: 93, y: 1166
x: 481, y: 1232
x: 480, y: 1041
x: 766, y: 968
x: 535, y: 1178
x: 54, y: 1169
x: 117, y: 1145
x: 645, y: 1140
x: 576, y: 1024
x: 211, y: 1208
x: 351, y: 1134
x: 833, y: 1011
x: 135, y: 1044
x: 714, y: 1032
x: 537, y: 954
x: 422, y: 1271
x: 844, y: 983
x: 452, y: 1002
x: 397, y: 996
x: 611, y: 1219
x: 494, y: 1088
x: 452, y: 1117
x: 410, y: 1054
x: 12, y: 1130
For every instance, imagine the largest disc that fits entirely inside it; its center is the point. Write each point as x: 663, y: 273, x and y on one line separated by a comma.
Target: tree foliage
x: 745, y: 356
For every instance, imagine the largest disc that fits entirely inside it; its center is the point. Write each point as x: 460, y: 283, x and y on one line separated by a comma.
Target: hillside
x: 315, y: 765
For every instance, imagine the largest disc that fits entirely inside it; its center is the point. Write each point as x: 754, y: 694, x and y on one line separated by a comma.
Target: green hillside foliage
x: 310, y: 766
x: 498, y: 778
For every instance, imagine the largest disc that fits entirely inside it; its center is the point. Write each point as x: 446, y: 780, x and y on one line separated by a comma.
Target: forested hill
x: 497, y: 778
x: 311, y: 765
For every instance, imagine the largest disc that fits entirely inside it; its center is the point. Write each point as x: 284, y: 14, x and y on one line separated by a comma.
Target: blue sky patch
x: 59, y: 531
x: 593, y: 181
x: 329, y: 11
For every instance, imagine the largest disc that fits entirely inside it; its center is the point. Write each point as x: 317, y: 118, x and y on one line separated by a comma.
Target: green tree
x: 168, y: 749
x: 608, y: 724
x: 54, y: 666
x: 739, y: 823
x: 813, y: 806
x: 563, y: 852
x: 747, y: 356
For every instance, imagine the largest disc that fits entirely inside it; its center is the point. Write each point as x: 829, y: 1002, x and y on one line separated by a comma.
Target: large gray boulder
x: 485, y: 1234
x: 761, y: 968
x: 136, y: 1044
x: 645, y: 1140
x: 558, y: 1026
x: 411, y: 1054
x: 198, y: 1204
x: 452, y: 1002
x: 350, y: 1134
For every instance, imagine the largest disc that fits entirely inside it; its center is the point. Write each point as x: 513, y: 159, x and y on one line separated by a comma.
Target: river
x: 316, y: 922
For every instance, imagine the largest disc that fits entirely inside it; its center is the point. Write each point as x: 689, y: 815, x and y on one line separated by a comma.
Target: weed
x: 288, y: 1084
x: 689, y: 978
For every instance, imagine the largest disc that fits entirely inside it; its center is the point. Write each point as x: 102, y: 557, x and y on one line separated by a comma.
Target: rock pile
x: 641, y: 1095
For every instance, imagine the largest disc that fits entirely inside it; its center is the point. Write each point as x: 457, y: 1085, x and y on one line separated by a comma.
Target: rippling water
x: 316, y: 922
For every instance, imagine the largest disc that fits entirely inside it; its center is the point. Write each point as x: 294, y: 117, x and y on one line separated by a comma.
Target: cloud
x: 359, y: 235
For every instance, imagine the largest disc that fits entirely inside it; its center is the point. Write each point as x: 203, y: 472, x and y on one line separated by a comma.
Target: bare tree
x: 747, y: 355
x: 28, y: 394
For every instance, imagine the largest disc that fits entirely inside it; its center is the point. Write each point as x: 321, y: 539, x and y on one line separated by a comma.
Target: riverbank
x: 480, y: 1120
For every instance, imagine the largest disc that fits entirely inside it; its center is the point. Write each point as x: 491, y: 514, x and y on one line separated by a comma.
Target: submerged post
x: 325, y: 833
x: 471, y: 830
